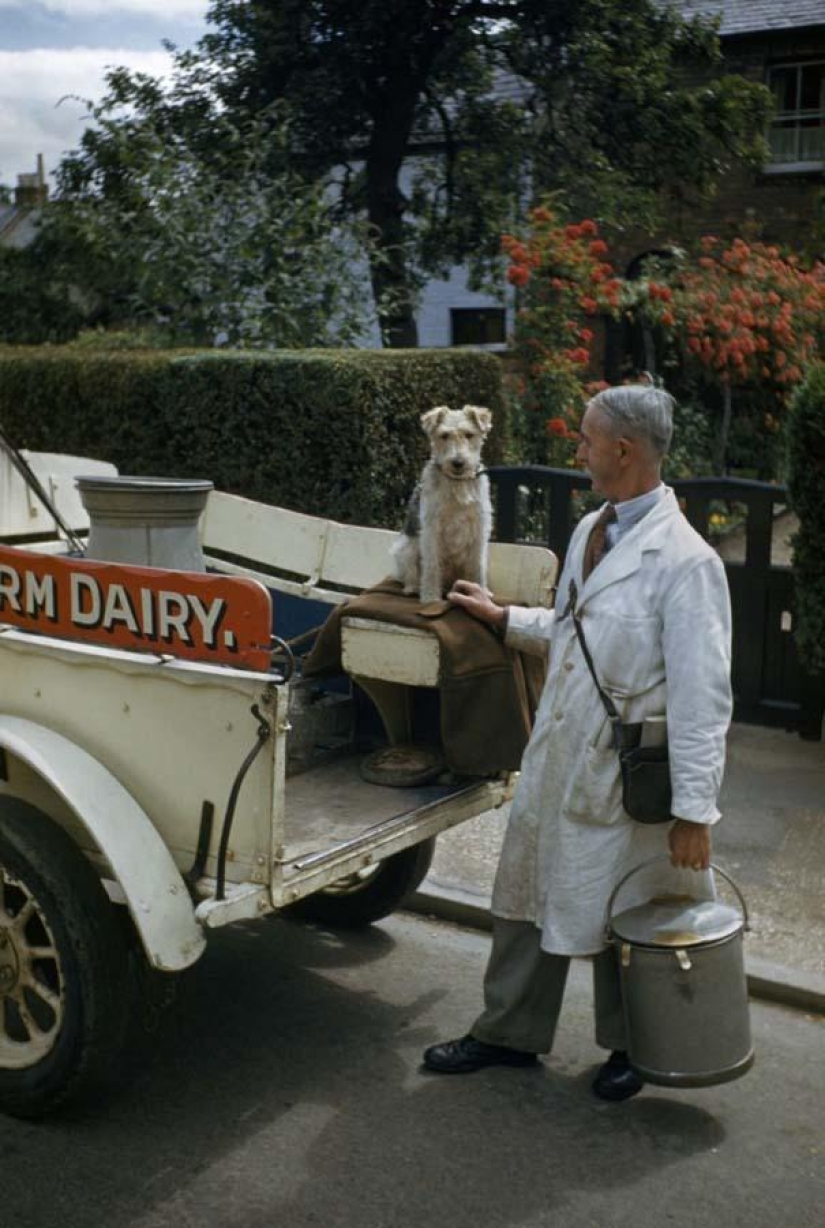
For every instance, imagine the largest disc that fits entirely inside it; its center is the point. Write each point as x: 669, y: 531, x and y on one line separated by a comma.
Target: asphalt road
x: 284, y: 1091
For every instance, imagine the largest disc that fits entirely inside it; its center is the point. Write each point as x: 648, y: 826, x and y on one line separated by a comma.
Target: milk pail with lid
x: 684, y: 989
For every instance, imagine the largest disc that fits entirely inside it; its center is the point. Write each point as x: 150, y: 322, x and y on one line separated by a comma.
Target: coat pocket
x: 628, y: 655
x: 595, y: 792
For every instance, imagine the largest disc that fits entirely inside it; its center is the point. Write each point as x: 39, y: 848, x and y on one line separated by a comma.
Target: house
x: 18, y: 219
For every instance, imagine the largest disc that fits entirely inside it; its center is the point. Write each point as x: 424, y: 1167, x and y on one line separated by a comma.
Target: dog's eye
x: 444, y: 435
x: 469, y: 435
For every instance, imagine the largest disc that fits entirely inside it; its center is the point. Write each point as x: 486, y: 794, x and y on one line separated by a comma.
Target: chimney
x: 32, y: 190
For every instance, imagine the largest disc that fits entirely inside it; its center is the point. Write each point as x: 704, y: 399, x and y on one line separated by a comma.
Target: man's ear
x: 432, y: 419
x: 481, y: 416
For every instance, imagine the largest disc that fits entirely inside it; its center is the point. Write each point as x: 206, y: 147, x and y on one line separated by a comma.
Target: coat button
x: 558, y: 715
x: 568, y: 665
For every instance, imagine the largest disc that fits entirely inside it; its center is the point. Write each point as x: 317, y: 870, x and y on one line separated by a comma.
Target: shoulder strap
x: 609, y: 706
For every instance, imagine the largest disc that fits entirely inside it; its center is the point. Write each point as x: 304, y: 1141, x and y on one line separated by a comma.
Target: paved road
x: 284, y: 1092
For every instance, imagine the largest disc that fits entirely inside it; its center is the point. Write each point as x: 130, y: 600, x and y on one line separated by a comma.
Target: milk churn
x: 684, y: 990
x: 150, y: 522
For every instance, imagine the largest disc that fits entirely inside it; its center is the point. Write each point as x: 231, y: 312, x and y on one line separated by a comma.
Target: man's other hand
x: 477, y: 601
x: 689, y: 845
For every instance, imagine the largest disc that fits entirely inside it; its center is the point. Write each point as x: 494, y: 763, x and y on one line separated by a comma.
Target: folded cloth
x: 489, y: 692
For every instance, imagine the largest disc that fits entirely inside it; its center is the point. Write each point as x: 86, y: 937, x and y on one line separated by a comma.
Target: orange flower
x: 598, y: 247
x: 518, y: 275
x: 588, y: 227
x: 557, y: 426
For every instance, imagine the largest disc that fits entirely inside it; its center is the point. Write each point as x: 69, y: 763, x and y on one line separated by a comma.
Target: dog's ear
x: 432, y: 419
x: 481, y: 416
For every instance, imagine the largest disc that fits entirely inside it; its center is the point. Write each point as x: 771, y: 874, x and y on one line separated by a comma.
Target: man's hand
x: 477, y: 601
x: 689, y: 845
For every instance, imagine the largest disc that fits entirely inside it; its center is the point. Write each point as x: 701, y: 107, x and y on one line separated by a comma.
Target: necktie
x: 596, y: 546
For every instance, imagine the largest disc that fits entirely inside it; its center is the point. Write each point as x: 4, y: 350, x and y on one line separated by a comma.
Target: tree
x: 157, y: 226
x: 615, y: 104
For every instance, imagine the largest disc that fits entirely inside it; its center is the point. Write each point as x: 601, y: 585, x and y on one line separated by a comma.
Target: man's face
x: 599, y: 453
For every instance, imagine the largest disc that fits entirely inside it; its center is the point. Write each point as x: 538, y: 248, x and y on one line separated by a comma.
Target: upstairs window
x: 797, y: 132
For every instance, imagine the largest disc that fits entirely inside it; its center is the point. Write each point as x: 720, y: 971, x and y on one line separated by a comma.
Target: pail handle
x: 664, y: 857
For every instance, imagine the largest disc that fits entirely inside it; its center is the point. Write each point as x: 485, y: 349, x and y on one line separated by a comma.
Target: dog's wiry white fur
x: 449, y: 517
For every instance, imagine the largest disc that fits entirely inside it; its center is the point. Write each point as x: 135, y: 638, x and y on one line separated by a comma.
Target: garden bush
x: 806, y: 484
x: 330, y: 432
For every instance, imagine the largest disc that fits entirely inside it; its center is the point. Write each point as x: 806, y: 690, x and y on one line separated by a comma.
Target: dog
x: 449, y: 516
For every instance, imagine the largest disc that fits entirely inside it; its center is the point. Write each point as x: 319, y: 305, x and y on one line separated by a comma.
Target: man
x: 654, y: 605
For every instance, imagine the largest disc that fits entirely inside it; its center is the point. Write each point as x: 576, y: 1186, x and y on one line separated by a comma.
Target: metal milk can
x: 684, y: 990
x: 149, y: 522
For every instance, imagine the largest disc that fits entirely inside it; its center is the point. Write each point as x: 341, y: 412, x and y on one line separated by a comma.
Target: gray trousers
x: 524, y: 987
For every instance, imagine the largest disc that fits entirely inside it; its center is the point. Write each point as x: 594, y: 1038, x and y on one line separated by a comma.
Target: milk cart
x: 161, y: 777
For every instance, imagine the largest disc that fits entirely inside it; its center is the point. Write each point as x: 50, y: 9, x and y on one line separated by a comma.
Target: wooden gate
x: 740, y: 518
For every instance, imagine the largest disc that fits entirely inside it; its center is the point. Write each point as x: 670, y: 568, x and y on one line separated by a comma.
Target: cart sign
x: 226, y: 620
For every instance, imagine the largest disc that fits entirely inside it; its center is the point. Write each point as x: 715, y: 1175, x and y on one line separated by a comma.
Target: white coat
x: 656, y: 616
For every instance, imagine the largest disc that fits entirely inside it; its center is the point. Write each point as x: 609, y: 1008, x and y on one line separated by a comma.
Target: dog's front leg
x: 431, y: 578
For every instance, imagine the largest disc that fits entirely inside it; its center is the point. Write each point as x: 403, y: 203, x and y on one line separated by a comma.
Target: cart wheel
x: 371, y: 893
x: 63, y: 960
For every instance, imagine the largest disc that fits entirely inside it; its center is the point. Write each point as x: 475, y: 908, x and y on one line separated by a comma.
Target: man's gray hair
x: 639, y: 411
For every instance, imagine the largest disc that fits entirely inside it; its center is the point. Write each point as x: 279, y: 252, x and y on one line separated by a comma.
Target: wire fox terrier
x: 449, y: 515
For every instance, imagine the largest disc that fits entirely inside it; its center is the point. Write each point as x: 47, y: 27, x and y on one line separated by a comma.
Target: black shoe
x: 466, y: 1054
x: 616, y: 1079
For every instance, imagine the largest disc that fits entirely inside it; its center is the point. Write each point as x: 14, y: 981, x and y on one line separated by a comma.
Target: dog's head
x: 456, y: 437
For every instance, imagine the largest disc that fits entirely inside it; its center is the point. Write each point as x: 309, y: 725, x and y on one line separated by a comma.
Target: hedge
x: 330, y: 432
x: 806, y: 487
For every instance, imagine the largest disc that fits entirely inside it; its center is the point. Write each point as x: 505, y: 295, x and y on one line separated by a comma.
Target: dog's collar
x: 461, y: 477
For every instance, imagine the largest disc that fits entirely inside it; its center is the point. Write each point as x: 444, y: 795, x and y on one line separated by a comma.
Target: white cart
x: 145, y: 796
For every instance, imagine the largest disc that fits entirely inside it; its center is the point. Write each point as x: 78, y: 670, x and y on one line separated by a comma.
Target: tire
x: 63, y: 968
x: 368, y: 895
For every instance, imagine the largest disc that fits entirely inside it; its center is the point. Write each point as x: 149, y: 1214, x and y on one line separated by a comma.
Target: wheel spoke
x: 47, y: 995
x: 29, y: 1022
x: 25, y: 915
x: 41, y: 953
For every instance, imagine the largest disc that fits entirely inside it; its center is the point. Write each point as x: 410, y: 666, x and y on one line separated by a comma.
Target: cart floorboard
x: 332, y: 803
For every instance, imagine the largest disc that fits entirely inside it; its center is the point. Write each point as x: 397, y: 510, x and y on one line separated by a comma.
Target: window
x: 478, y: 326
x: 797, y: 131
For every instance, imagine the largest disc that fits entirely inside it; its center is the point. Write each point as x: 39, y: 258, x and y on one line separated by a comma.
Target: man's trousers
x: 524, y: 987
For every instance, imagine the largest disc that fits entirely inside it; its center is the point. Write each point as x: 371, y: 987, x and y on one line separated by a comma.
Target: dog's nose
x: 458, y: 465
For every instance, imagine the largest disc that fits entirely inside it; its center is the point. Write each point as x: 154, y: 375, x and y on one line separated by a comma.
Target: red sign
x: 187, y: 614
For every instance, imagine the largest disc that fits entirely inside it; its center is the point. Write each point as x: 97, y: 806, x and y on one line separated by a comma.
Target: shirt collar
x: 631, y: 510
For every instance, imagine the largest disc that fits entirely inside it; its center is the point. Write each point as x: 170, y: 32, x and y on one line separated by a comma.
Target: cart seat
x: 321, y: 559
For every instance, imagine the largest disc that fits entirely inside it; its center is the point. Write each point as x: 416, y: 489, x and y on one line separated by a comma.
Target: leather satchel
x: 646, y: 788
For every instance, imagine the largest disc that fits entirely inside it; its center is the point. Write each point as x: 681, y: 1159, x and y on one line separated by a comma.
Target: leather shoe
x: 616, y: 1079
x: 467, y: 1054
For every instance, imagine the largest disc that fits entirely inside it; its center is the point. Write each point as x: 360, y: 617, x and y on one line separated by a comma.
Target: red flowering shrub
x: 563, y: 277
x: 741, y: 318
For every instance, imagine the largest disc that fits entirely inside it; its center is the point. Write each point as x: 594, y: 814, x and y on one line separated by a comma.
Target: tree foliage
x: 613, y: 103
x: 184, y: 227
x: 432, y: 122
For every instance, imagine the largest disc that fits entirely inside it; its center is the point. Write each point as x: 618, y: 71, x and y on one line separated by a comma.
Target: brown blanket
x: 489, y: 693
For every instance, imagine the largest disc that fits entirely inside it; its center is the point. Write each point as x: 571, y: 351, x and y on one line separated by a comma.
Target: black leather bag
x: 646, y: 788
x: 646, y: 791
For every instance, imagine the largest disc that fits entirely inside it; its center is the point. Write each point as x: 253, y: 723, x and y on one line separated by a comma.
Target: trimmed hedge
x: 330, y: 432
x: 806, y: 487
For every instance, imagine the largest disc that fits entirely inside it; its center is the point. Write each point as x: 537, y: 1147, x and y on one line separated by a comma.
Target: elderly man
x: 654, y: 604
